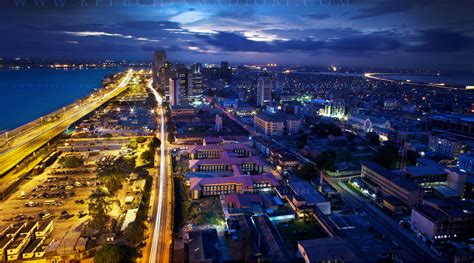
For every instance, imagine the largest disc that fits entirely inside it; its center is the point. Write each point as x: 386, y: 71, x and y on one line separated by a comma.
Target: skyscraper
x: 159, y: 60
x: 197, y: 80
x: 264, y: 89
x: 218, y: 123
x: 175, y: 90
x: 159, y: 64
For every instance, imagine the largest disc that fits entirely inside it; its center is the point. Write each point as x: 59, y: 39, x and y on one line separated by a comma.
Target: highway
x: 162, y: 225
x: 32, y: 140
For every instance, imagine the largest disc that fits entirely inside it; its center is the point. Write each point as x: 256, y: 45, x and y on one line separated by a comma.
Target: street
x: 160, y: 247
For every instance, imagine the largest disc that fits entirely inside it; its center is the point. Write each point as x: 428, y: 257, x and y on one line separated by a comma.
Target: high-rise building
x: 196, y: 79
x: 197, y: 67
x: 159, y: 60
x: 185, y: 81
x: 264, y: 89
x: 175, y: 90
x: 218, y: 123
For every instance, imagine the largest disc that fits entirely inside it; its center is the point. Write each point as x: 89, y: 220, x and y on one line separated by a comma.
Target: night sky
x: 425, y: 34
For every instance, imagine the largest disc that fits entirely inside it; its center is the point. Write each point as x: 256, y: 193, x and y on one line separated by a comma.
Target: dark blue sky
x: 428, y: 34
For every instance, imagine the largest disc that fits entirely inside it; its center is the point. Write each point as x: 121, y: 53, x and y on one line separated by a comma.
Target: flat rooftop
x: 391, y: 176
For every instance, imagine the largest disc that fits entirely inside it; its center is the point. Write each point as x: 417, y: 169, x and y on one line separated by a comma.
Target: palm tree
x: 99, y: 207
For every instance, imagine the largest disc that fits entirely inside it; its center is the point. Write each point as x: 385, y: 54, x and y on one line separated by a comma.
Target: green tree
x: 134, y: 233
x: 141, y: 139
x: 170, y: 137
x: 387, y: 156
x: 70, y: 161
x: 325, y: 161
x: 307, y: 172
x: 301, y: 140
x: 115, y: 165
x: 154, y: 144
x: 325, y: 129
x: 411, y: 157
x: 133, y: 144
x: 115, y: 254
x: 99, y: 207
x: 373, y: 138
x: 148, y: 157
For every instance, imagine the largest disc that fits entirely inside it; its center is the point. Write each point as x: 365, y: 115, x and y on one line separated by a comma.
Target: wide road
x: 377, y: 219
x: 383, y: 223
x: 160, y: 250
x: 36, y: 138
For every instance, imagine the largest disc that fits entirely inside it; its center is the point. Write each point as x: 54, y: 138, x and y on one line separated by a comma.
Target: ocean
x: 456, y: 80
x: 28, y: 94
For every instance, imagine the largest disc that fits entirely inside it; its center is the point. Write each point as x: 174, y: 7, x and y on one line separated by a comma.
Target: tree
x: 387, y: 156
x: 373, y: 138
x: 325, y: 129
x: 134, y: 233
x: 109, y: 165
x: 115, y: 254
x: 155, y: 143
x: 133, y: 144
x: 70, y: 161
x: 307, y: 172
x: 301, y: 140
x: 171, y: 137
x: 99, y: 207
x: 325, y: 161
x: 148, y: 157
x: 141, y: 139
x: 411, y: 157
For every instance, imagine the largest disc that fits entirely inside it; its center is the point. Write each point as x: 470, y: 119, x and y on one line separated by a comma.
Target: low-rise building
x: 283, y: 160
x: 305, y: 196
x: 466, y: 163
x: 203, y: 246
x: 180, y: 110
x: 268, y: 124
x: 442, y: 222
x: 232, y: 184
x: 237, y: 165
x: 393, y: 184
x: 276, y: 124
x: 331, y: 249
x: 427, y: 175
x: 445, y: 144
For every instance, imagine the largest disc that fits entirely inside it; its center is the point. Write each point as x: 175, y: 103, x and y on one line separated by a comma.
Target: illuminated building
x: 393, y: 184
x: 264, y: 89
x: 445, y: 144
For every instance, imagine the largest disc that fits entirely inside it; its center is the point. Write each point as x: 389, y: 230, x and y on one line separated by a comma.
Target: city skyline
x: 433, y: 35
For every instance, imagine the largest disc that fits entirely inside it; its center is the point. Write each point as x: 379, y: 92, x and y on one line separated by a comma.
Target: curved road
x: 42, y: 135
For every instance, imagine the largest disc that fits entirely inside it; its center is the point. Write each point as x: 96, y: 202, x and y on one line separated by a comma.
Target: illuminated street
x: 162, y: 232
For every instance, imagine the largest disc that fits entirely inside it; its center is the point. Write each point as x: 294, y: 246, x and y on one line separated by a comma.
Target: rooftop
x: 328, y: 249
x: 247, y: 181
x: 391, y: 176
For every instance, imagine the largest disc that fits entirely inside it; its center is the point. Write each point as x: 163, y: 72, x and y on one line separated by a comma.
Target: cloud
x: 390, y: 7
x: 440, y: 40
x: 234, y: 42
x: 375, y: 42
x: 95, y: 34
x: 318, y: 16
